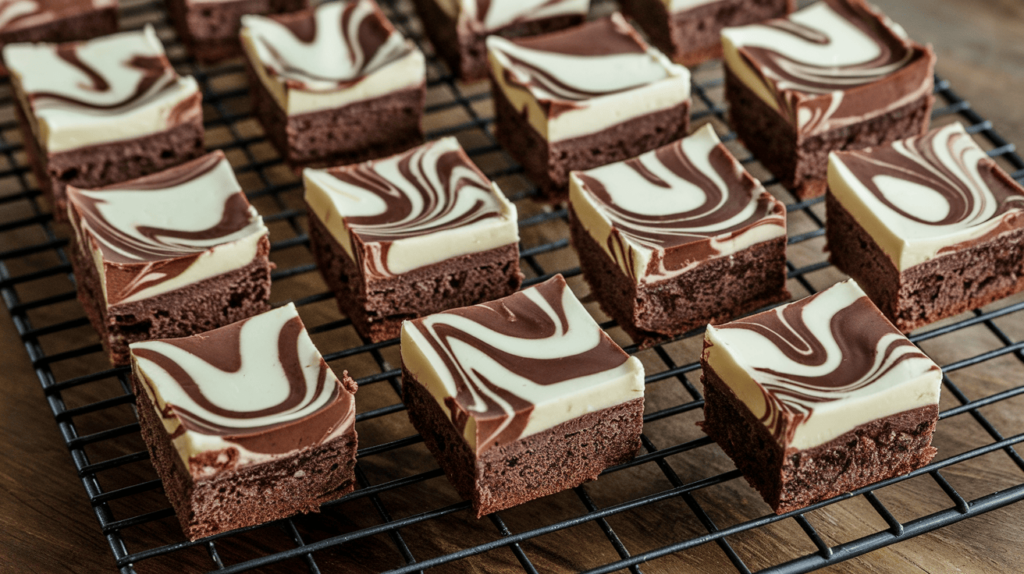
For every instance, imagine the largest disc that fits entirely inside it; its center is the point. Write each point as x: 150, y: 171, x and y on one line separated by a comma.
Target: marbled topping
x: 666, y: 211
x: 258, y: 387
x: 808, y: 65
x: 817, y: 368
x: 928, y: 195
x: 426, y: 205
x: 160, y: 231
x: 519, y: 365
x: 482, y: 16
x: 18, y: 14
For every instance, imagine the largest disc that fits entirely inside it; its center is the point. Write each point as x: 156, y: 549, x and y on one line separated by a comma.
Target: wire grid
x: 21, y: 273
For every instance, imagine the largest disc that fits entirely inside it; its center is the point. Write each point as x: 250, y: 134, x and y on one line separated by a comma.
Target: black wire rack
x: 387, y: 524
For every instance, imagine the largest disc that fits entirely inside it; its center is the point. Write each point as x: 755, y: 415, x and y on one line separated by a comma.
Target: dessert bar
x: 55, y: 21
x: 209, y: 28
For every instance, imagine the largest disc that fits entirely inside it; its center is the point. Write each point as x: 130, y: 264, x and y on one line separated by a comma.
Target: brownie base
x: 714, y: 291
x: 942, y: 287
x: 791, y: 479
x: 251, y: 495
x: 694, y: 36
x: 364, y: 130
x: 548, y: 164
x: 210, y: 31
x: 801, y: 164
x: 377, y: 307
x: 90, y: 24
x: 465, y: 51
x: 114, y: 162
x: 196, y: 308
x: 564, y: 456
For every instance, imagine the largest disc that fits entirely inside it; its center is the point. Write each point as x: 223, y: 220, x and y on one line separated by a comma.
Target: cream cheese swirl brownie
x: 168, y: 255
x: 678, y: 237
x: 410, y: 235
x: 837, y: 75
x: 55, y: 20
x: 335, y: 83
x: 246, y: 423
x: 584, y: 97
x: 943, y: 225
x: 521, y: 397
x: 103, y: 111
x: 819, y: 397
x: 458, y: 28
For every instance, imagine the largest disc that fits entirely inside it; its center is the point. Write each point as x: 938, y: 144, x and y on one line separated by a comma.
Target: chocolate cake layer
x: 377, y: 306
x: 550, y: 461
x: 209, y: 30
x: 548, y: 164
x: 792, y: 479
x: 82, y: 26
x: 195, y: 308
x: 948, y: 285
x: 715, y: 290
x: 801, y: 164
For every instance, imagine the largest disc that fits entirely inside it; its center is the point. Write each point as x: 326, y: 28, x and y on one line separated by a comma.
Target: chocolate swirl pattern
x: 258, y: 386
x: 823, y: 365
x: 16, y: 14
x: 519, y: 365
x: 484, y: 16
x: 428, y: 204
x: 664, y: 212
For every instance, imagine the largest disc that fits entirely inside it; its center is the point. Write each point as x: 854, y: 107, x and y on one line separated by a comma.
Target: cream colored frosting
x: 331, y: 71
x: 680, y: 5
x: 61, y: 125
x: 501, y: 13
x: 632, y: 84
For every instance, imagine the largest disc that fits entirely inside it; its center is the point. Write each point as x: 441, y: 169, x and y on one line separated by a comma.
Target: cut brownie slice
x: 102, y: 111
x: 209, y: 28
x: 584, y: 97
x: 458, y: 28
x: 678, y: 237
x: 410, y: 235
x: 55, y: 21
x: 837, y: 75
x: 168, y: 255
x: 337, y: 84
x: 246, y: 423
x: 521, y: 397
x: 930, y: 226
x: 689, y: 31
x: 818, y: 397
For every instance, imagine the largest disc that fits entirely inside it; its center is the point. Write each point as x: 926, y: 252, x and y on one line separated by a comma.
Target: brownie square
x: 56, y: 21
x: 678, y: 237
x: 521, y: 397
x: 409, y: 235
x: 836, y: 75
x: 584, y: 97
x: 458, y: 29
x: 818, y: 397
x: 209, y: 28
x: 930, y: 225
x: 337, y: 84
x: 689, y: 31
x: 246, y: 423
x: 102, y: 111
x: 171, y: 254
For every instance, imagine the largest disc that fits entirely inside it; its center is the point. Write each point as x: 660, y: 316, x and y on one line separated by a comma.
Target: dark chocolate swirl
x: 485, y: 16
x: 16, y: 14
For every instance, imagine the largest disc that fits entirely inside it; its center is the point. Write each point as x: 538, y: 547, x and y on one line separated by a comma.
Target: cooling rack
x: 679, y: 504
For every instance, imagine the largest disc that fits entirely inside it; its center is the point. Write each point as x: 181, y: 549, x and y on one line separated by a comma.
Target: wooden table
x: 47, y: 525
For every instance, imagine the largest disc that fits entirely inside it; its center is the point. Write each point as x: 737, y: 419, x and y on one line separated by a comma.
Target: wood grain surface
x: 48, y: 526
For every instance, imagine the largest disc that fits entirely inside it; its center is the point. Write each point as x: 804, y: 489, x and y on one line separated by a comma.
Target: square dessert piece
x: 209, y: 28
x: 818, y: 397
x: 678, y: 237
x: 55, y: 21
x: 336, y: 83
x: 246, y: 423
x: 457, y: 28
x: 410, y: 235
x: 929, y: 225
x: 837, y: 75
x: 102, y: 111
x: 521, y: 397
x: 584, y: 97
x: 689, y: 31
x: 168, y: 255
